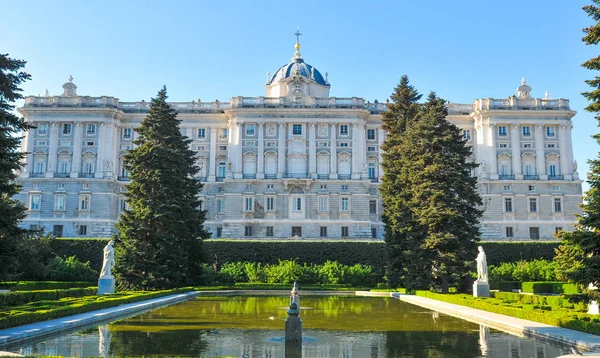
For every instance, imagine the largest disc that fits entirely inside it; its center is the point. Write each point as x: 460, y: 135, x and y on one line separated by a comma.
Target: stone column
x: 564, y: 152
x: 100, y: 150
x: 516, y: 151
x: 333, y: 156
x: 53, y: 138
x: 571, y: 172
x: 237, y: 167
x: 212, y: 155
x: 540, y: 157
x: 260, y: 160
x: 281, y: 152
x: 231, y: 148
x: 27, y: 146
x: 356, y: 163
x: 76, y: 165
x: 380, y: 139
x: 109, y: 160
x: 312, y: 151
x: 491, y: 139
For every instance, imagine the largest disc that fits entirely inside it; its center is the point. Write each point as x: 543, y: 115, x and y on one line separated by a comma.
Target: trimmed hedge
x: 44, y: 285
x: 45, y: 310
x: 371, y: 253
x: 539, y: 313
x: 550, y: 287
x: 22, y: 297
x: 507, y: 286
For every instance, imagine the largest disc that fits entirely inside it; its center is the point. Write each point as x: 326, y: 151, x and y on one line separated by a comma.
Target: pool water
x: 250, y: 326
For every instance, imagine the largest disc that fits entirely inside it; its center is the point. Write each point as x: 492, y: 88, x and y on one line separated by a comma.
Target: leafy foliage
x: 160, y: 237
x: 11, y: 126
x: 535, y: 270
x: 70, y: 269
x: 578, y: 256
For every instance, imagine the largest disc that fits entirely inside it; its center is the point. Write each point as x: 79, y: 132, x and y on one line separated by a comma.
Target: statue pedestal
x: 481, y: 289
x: 593, y: 307
x: 106, y: 285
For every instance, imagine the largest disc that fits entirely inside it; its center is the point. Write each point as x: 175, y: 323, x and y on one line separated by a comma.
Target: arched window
x: 344, y: 165
x: 249, y: 165
x: 504, y: 166
x: 64, y: 163
x: 552, y: 166
x: 529, y: 170
x: 323, y: 166
x: 270, y: 164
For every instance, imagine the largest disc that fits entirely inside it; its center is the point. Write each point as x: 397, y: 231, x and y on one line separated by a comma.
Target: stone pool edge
x: 41, y: 329
x: 512, y: 325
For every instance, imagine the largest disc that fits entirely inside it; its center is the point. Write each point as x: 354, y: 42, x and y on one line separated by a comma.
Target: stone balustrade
x: 515, y: 103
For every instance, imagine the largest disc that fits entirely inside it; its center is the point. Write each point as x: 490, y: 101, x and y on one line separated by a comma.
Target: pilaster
x: 312, y: 151
x: 281, y: 154
x: 333, y: 148
x: 27, y: 146
x: 491, y: 139
x: 260, y: 160
x: 53, y: 142
x: 100, y: 150
x: 212, y: 155
x: 76, y: 165
x: 380, y: 139
x: 540, y: 157
x: 564, y: 152
x: 516, y: 151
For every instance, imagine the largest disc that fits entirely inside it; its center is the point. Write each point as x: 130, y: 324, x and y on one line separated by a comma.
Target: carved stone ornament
x: 322, y: 130
x: 271, y: 129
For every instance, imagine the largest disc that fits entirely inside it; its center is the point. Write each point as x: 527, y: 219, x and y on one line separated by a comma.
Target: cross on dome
x: 297, y: 34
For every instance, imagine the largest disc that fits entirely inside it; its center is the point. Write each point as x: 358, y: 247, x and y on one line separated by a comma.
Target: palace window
x: 297, y: 129
x: 527, y: 145
x: 370, y: 134
x: 323, y: 231
x: 323, y: 204
x: 343, y: 129
x: 249, y: 204
x: 344, y: 144
x: 501, y: 131
x: 550, y: 145
x: 323, y: 186
x: 534, y: 233
x: 507, y: 188
x: 270, y: 231
x: 371, y: 149
x: 270, y: 203
x: 248, y: 230
x: 84, y: 202
x: 557, y: 205
x: 126, y: 133
x: 508, y: 208
x: 344, y: 187
x: 556, y: 187
x: 502, y: 145
x: 526, y: 131
x: 222, y: 147
x: 220, y: 206
x: 82, y: 231
x: 509, y: 231
x: 466, y: 134
x: 59, y: 202
x: 91, y: 129
x: 250, y: 129
x: 34, y: 202
x: 223, y: 133
x: 373, y: 207
x: 557, y: 229
x: 42, y: 129
x: 219, y: 231
x: 531, y: 188
x: 344, y: 204
x: 66, y: 128
x: 550, y: 132
x: 270, y: 186
x: 345, y: 231
x: 533, y: 205
x: 297, y: 204
x: 201, y: 134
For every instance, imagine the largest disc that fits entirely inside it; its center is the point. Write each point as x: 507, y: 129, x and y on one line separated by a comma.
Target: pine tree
x: 11, y: 126
x: 578, y: 256
x: 160, y: 236
x: 442, y: 196
x: 396, y: 215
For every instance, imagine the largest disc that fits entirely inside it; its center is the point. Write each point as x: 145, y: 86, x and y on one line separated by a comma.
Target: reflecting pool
x: 334, y: 326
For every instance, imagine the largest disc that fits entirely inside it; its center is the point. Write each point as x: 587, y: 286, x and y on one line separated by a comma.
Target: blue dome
x: 304, y: 69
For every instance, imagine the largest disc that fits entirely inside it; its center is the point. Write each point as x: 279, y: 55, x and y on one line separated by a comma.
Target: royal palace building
x: 296, y: 162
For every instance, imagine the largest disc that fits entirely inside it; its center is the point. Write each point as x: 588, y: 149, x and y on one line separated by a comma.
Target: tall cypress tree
x: 11, y: 126
x: 442, y: 196
x: 578, y: 256
x: 160, y: 236
x: 396, y: 214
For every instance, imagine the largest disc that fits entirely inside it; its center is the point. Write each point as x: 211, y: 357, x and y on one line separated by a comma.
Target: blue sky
x: 219, y: 49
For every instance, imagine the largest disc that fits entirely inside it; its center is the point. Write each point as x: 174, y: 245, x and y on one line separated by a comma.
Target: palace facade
x: 296, y: 162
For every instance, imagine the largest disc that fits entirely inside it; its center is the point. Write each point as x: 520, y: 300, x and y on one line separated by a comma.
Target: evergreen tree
x: 160, y: 236
x: 442, y: 196
x: 11, y: 126
x: 396, y: 215
x: 578, y: 256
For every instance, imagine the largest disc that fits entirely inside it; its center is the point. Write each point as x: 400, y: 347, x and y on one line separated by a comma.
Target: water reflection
x: 335, y: 327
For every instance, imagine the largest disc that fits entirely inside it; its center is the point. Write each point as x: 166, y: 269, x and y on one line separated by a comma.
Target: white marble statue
x: 482, y: 271
x: 108, y: 260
